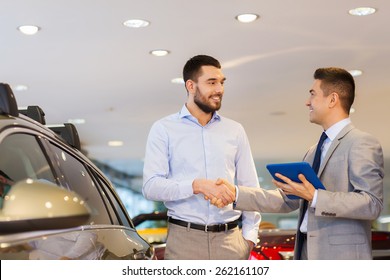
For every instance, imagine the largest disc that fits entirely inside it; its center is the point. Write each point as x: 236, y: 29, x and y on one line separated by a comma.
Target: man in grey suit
x: 337, y: 222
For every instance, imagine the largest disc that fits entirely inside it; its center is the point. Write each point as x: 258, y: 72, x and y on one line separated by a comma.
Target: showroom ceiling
x: 84, y: 63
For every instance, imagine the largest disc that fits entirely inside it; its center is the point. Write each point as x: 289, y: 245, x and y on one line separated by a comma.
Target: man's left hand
x: 304, y: 190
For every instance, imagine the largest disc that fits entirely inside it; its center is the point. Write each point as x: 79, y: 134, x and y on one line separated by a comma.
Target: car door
x: 28, y: 154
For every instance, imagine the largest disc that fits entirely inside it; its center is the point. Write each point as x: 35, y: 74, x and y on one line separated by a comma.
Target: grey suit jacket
x: 339, y: 227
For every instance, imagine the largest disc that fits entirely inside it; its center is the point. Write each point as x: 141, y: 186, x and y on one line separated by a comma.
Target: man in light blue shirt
x: 186, y: 153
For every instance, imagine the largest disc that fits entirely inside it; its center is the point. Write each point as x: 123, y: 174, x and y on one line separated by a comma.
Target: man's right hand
x: 223, y: 182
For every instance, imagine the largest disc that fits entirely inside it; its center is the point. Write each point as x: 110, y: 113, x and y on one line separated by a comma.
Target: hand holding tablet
x: 292, y: 170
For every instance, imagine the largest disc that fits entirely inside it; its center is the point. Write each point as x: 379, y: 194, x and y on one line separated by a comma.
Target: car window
x: 77, y: 178
x: 22, y: 158
x: 117, y: 208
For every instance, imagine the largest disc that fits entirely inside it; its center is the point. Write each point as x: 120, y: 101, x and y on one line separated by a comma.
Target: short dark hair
x: 337, y: 80
x: 191, y: 70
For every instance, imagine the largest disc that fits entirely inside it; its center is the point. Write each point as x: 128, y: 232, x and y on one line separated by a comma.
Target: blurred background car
x: 272, y: 244
x: 55, y: 203
x: 278, y: 244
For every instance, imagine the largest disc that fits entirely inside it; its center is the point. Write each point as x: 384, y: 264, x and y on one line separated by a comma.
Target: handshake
x: 220, y: 192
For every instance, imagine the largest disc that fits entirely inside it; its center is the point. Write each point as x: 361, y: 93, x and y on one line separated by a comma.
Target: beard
x: 202, y: 102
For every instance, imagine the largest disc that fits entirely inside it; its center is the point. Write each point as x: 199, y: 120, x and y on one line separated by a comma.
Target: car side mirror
x: 41, y: 205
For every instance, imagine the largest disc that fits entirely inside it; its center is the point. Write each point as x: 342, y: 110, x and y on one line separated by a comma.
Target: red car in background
x: 273, y: 243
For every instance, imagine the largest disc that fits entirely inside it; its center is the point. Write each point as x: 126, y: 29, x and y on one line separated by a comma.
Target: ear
x: 334, y: 99
x: 190, y: 86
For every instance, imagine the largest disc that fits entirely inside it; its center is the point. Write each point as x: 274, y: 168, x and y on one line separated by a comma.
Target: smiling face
x: 318, y: 104
x: 208, y: 90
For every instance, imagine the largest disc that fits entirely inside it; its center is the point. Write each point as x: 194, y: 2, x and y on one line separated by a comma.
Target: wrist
x: 197, y: 186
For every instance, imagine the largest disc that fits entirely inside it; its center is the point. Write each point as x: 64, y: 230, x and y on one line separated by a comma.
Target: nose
x: 307, y: 103
x: 219, y: 88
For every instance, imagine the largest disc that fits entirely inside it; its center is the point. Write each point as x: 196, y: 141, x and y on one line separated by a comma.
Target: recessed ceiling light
x: 20, y: 88
x: 159, y: 52
x: 362, y: 11
x: 356, y: 72
x: 352, y: 110
x: 177, y: 81
x: 29, y: 29
x: 136, y: 23
x: 115, y: 143
x: 247, y: 18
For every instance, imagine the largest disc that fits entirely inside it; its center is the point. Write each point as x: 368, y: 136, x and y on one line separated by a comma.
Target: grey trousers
x: 192, y: 244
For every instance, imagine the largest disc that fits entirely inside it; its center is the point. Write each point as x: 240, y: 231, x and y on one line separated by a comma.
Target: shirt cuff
x: 235, y: 200
x: 314, y: 201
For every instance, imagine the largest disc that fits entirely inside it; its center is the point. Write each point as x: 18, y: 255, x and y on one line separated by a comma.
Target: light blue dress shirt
x: 180, y: 150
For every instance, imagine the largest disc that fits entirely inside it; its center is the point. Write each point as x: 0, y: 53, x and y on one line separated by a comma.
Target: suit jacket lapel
x: 333, y: 146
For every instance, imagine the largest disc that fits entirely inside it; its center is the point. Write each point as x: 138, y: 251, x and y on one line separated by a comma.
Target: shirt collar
x: 335, y: 129
x: 184, y: 113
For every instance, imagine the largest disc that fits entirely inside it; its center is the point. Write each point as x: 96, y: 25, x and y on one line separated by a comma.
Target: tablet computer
x: 292, y: 170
